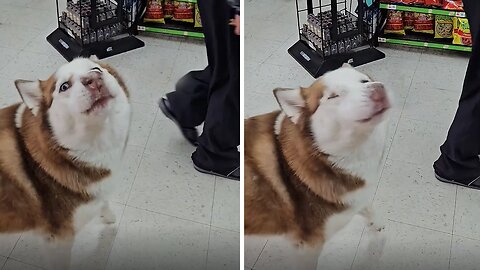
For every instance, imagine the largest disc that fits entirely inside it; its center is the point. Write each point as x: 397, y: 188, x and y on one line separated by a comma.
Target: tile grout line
x: 356, y: 250
x: 168, y: 215
x: 455, y: 209
x: 417, y: 226
x: 453, y: 228
x: 4, y: 263
x: 115, y: 237
x: 141, y: 158
x: 211, y: 218
x: 260, y: 254
x: 36, y: 266
x: 14, y: 246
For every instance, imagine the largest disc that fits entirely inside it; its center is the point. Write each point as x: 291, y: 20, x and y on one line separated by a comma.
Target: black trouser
x: 459, y: 160
x: 212, y: 95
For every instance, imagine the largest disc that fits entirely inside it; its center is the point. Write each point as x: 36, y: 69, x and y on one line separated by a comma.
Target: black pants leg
x: 459, y: 160
x: 189, y: 101
x: 212, y: 96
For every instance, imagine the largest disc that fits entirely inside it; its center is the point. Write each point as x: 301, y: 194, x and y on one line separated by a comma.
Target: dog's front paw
x: 108, y: 217
x: 376, y: 226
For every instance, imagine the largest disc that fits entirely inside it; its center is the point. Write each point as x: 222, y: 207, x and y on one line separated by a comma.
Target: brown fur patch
x: 290, y: 187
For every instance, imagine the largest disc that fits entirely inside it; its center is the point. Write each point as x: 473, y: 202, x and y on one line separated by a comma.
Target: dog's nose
x: 93, y: 81
x: 378, y: 94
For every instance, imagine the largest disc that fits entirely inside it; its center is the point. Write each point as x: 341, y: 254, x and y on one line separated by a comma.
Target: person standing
x: 212, y: 95
x: 459, y: 161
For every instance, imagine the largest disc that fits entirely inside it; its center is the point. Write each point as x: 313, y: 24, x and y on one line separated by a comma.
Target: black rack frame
x: 70, y: 47
x: 315, y: 59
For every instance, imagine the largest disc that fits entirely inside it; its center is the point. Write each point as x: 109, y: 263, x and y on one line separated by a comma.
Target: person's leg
x: 189, y: 101
x: 217, y: 150
x: 459, y: 161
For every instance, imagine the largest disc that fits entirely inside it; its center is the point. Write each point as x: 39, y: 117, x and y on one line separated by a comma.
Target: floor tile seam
x: 141, y: 159
x: 418, y: 226
x: 168, y: 215
x: 259, y: 255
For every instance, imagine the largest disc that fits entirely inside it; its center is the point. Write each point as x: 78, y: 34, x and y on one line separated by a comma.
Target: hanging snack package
x: 453, y: 4
x: 461, y: 32
x: 168, y: 8
x: 394, y: 23
x: 183, y: 11
x: 443, y: 26
x: 198, y: 19
x: 154, y: 12
x: 424, y: 23
x: 437, y: 3
x: 408, y: 20
x: 409, y: 2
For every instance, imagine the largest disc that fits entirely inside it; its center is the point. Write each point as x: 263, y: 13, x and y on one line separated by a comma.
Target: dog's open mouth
x: 375, y: 115
x: 100, y: 103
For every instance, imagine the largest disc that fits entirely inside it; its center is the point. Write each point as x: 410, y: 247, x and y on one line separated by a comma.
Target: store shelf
x: 188, y: 1
x: 417, y: 43
x: 434, y: 11
x: 172, y: 30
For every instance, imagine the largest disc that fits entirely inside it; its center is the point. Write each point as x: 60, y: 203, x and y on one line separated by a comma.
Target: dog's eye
x: 97, y: 69
x: 333, y: 96
x: 64, y: 87
x: 364, y: 81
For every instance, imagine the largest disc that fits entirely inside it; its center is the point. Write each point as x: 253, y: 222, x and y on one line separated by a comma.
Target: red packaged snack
x: 437, y: 3
x: 413, y: 2
x: 168, y: 9
x: 394, y: 23
x: 409, y: 2
x: 183, y: 11
x: 424, y: 23
x: 408, y: 20
x: 154, y: 12
x: 453, y: 4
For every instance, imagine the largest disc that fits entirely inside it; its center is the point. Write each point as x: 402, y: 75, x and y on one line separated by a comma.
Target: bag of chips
x: 408, y: 20
x: 183, y: 11
x: 453, y: 4
x: 411, y: 2
x: 198, y: 19
x: 461, y: 32
x: 168, y: 9
x: 394, y: 23
x: 154, y: 12
x: 437, y: 3
x: 443, y: 26
x: 424, y: 23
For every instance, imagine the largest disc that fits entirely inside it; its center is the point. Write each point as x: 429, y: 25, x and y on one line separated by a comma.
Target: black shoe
x: 190, y: 133
x: 233, y: 175
x: 475, y: 183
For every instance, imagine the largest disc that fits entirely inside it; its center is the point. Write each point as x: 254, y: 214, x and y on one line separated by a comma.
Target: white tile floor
x: 169, y: 216
x: 430, y: 225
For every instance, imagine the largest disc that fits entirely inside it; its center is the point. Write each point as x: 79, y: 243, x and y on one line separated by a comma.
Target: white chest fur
x: 364, y: 162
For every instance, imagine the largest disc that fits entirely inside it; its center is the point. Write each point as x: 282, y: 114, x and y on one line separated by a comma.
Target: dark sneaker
x: 233, y: 175
x: 475, y: 183
x: 190, y: 133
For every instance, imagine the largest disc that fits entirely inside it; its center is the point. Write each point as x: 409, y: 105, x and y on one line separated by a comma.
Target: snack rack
x: 421, y: 40
x: 170, y: 27
x: 95, y: 27
x: 330, y: 34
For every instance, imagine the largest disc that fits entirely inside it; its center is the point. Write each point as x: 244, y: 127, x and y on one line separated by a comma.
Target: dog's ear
x: 347, y: 65
x: 291, y: 102
x: 31, y: 94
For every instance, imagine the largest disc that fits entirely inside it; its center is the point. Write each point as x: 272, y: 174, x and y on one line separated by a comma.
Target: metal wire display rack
x: 337, y: 32
x: 95, y: 27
